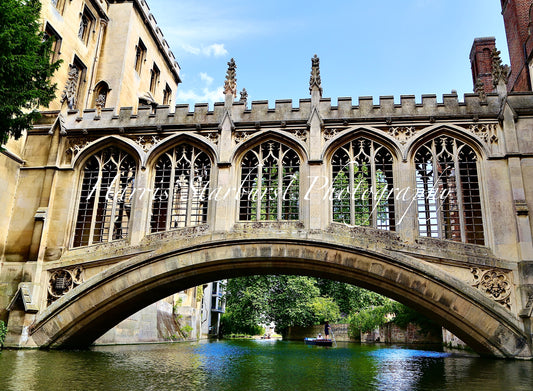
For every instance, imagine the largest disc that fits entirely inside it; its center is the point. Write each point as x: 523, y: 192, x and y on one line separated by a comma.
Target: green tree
x: 325, y: 309
x: 349, y: 298
x: 246, y: 304
x: 3, y: 333
x: 25, y: 67
x: 291, y: 301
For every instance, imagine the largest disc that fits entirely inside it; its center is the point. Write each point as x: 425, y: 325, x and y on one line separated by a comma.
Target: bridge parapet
x: 429, y: 109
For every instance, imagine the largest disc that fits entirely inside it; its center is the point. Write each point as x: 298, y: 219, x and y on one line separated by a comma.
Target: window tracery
x: 105, y: 198
x: 270, y: 181
x: 362, y: 188
x: 181, y: 189
x: 449, y: 199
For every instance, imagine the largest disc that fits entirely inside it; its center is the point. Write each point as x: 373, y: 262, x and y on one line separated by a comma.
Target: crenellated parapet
x: 401, y: 123
x: 386, y: 110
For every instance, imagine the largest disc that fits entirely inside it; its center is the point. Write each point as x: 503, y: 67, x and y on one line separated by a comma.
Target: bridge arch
x: 88, y: 311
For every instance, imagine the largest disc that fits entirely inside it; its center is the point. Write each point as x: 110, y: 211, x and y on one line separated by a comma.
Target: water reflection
x: 258, y: 365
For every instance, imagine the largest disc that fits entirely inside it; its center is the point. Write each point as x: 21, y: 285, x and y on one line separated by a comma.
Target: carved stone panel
x: 494, y: 284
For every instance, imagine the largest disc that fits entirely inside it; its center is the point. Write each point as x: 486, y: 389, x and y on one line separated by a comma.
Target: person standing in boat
x: 327, y: 328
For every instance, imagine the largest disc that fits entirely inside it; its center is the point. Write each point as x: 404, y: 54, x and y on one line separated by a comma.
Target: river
x: 258, y: 365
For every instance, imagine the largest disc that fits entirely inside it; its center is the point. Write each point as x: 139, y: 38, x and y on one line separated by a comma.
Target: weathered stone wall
x: 340, y: 331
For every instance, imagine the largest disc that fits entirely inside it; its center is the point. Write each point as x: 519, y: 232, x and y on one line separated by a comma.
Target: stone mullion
x: 95, y: 202
x: 259, y: 183
x: 170, y: 207
x: 280, y: 183
x: 374, y: 187
x: 459, y: 192
x: 436, y: 183
x: 188, y: 210
x: 116, y: 182
x: 351, y: 178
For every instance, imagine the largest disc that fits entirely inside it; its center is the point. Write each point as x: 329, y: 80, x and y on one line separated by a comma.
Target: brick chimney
x: 516, y: 19
x: 481, y: 62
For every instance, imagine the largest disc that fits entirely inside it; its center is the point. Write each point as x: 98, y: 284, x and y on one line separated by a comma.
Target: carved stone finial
x: 480, y: 89
x: 230, y: 86
x: 244, y: 96
x: 499, y: 71
x: 69, y: 93
x: 315, y: 81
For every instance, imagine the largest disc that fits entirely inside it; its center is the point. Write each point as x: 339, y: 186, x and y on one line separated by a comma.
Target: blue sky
x: 387, y: 47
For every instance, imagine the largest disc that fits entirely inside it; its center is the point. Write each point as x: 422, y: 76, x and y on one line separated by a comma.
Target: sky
x: 366, y: 48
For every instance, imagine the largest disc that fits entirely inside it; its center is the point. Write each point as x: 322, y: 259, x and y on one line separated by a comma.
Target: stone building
x: 426, y: 202
x: 114, y: 55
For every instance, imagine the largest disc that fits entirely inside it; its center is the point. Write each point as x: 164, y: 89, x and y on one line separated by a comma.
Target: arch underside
x: 87, y: 312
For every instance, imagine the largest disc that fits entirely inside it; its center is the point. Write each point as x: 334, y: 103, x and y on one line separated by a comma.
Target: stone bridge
x: 426, y: 202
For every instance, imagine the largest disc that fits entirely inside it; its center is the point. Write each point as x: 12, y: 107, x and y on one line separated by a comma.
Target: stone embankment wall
x: 154, y: 323
x: 340, y: 331
x: 389, y: 333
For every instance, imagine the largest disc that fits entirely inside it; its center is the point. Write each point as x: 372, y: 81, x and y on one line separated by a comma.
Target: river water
x: 258, y: 365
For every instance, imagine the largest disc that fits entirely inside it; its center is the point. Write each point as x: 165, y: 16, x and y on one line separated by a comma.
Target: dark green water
x: 258, y: 365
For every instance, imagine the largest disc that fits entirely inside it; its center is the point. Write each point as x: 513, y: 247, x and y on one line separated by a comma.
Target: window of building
x: 86, y: 24
x: 75, y: 83
x: 59, y: 5
x: 51, y: 34
x: 270, y: 182
x: 140, y: 56
x: 363, y: 191
x: 154, y: 78
x: 181, y: 189
x: 447, y: 177
x: 104, y: 204
x: 167, y: 95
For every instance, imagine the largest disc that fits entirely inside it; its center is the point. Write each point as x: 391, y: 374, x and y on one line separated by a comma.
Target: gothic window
x: 51, y: 34
x: 270, y: 181
x: 154, y: 78
x: 449, y: 199
x: 140, y: 55
x: 86, y: 23
x: 363, y: 191
x: 181, y: 189
x: 167, y: 95
x: 105, y: 198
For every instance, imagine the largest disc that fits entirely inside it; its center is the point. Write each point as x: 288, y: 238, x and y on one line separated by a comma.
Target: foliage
x: 405, y: 315
x: 3, y: 333
x: 290, y: 301
x: 349, y: 298
x: 325, y: 309
x: 25, y: 66
x: 186, y: 330
x: 256, y: 300
x: 391, y: 311
x: 369, y: 319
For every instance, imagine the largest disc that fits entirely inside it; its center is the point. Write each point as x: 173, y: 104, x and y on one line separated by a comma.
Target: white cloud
x: 205, y: 77
x: 215, y: 50
x: 205, y: 96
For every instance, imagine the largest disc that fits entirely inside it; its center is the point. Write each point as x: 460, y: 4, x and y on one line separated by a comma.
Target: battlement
x: 366, y: 110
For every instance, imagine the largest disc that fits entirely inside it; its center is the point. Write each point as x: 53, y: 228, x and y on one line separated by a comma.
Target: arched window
x: 270, y: 182
x: 449, y: 201
x: 363, y: 191
x: 105, y: 199
x: 181, y: 189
